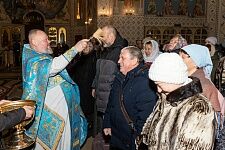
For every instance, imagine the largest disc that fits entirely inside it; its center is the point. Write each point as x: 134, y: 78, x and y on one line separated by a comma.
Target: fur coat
x: 181, y: 120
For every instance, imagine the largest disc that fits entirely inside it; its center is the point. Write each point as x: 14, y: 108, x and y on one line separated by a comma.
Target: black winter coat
x: 106, y: 66
x: 82, y: 71
x: 184, y: 119
x: 139, y: 94
x: 11, y: 118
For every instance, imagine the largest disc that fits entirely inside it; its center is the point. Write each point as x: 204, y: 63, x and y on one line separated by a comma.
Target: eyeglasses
x: 184, y: 52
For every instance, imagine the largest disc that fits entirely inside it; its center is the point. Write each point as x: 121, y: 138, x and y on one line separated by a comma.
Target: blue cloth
x: 201, y: 57
x: 36, y: 81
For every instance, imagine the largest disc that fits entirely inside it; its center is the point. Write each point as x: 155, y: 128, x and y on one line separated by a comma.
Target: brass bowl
x: 12, y: 105
x: 18, y: 139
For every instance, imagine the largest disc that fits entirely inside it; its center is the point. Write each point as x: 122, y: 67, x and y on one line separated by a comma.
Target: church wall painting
x: 191, y: 8
x: 16, y: 9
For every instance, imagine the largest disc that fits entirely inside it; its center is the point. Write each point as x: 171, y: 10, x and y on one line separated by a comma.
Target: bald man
x: 106, y: 66
x: 57, y: 123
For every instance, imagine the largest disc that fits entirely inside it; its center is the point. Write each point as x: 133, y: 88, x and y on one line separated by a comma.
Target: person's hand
x: 29, y: 111
x: 93, y: 92
x: 88, y: 49
x: 3, y: 101
x: 81, y: 45
x: 107, y: 131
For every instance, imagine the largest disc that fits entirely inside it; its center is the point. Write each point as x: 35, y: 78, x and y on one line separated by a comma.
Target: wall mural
x: 50, y: 7
x: 3, y: 15
x: 189, y: 8
x: 15, y: 9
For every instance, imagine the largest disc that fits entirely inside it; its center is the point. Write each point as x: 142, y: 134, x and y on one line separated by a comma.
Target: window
x: 62, y: 35
x: 199, y: 36
x: 57, y: 36
x: 52, y: 34
x: 154, y: 33
x: 163, y: 34
x: 187, y: 34
x: 168, y: 34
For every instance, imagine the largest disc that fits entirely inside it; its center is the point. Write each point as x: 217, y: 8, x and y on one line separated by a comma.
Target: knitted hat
x: 169, y: 68
x: 212, y: 40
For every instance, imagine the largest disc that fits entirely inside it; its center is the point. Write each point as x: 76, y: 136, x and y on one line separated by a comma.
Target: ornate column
x: 78, y: 10
x: 141, y: 9
x: 212, y: 17
x: 116, y: 8
x: 221, y: 22
x: 71, y: 32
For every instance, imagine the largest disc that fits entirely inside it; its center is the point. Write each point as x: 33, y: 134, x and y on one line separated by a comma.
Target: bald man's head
x: 109, y: 35
x: 38, y: 40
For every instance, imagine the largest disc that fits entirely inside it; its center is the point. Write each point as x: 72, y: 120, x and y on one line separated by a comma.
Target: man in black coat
x: 82, y: 70
x: 106, y: 66
x: 131, y: 100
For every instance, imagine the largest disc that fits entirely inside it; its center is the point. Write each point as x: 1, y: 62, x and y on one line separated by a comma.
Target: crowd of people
x: 141, y: 98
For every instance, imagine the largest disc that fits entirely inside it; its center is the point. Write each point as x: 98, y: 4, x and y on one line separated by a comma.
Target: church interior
x: 72, y: 20
x: 68, y: 21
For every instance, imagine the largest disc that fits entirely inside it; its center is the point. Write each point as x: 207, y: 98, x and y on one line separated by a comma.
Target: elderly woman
x: 183, y: 118
x: 197, y: 59
x: 150, y: 51
x: 175, y: 44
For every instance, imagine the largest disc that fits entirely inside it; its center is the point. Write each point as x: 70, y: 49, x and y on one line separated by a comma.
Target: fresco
x: 50, y: 8
x: 17, y: 8
x: 190, y: 8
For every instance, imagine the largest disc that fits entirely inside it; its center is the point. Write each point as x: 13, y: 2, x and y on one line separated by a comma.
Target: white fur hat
x: 169, y: 68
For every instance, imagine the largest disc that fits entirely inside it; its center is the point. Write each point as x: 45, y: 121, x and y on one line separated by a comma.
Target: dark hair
x: 208, y: 46
x: 149, y: 42
x: 183, y: 51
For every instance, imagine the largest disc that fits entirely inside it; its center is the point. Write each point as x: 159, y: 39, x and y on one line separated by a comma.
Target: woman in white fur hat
x: 183, y: 118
